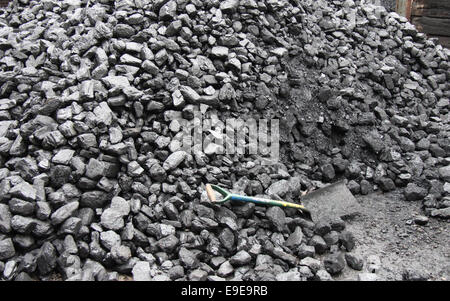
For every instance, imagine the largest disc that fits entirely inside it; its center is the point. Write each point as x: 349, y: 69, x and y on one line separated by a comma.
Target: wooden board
x: 431, y: 8
x: 432, y: 26
x: 403, y: 8
x: 4, y: 3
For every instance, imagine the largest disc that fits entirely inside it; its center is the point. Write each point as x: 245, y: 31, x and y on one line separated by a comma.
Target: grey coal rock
x: 109, y: 239
x: 444, y: 173
x: 313, y: 264
x: 23, y: 276
x: 63, y: 213
x: 176, y: 272
x: 413, y: 192
x: 227, y: 239
x: 188, y: 259
x: 5, y: 219
x: 225, y: 269
x: 46, y: 258
x: 141, y: 271
x: 322, y: 227
x: 174, y: 160
x: 6, y: 249
x: 414, y: 275
x: 120, y: 253
x: 168, y: 243
x: 354, y: 261
x: 198, y: 275
x: 94, y: 199
x: 112, y: 218
x: 319, y: 244
x: 168, y: 11
x: 331, y: 238
x: 295, y: 239
x: 277, y: 218
x: 443, y: 213
x: 387, y: 184
x: 421, y: 220
x: 347, y: 240
x: 334, y: 263
x: 328, y: 172
x: 305, y: 251
x: 95, y: 169
x: 229, y: 6
x: 240, y: 258
x: 323, y: 275
x: 284, y: 256
x: 10, y: 269
x: 24, y: 191
x: 21, y: 207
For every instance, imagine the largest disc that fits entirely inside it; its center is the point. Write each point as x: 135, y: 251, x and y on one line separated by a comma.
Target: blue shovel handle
x: 210, y: 188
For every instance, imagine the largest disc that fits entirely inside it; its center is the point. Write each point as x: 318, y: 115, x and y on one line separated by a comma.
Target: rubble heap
x: 93, y: 182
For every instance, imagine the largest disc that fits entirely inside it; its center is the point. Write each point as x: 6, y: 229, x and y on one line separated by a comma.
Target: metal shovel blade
x: 332, y: 201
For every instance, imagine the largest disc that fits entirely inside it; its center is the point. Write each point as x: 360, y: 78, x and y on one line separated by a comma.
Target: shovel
x: 332, y: 201
x: 228, y: 196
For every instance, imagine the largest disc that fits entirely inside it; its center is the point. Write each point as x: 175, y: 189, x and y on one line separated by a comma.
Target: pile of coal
x: 94, y: 182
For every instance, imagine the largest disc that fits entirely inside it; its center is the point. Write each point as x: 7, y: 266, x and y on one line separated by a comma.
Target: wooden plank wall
x: 433, y: 18
x: 4, y: 3
x: 403, y: 8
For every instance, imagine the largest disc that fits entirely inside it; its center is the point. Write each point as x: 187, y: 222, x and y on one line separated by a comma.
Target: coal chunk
x: 277, y: 218
x: 413, y: 192
x: 240, y: 258
x: 354, y: 261
x: 6, y: 249
x: 46, y: 258
x: 334, y: 263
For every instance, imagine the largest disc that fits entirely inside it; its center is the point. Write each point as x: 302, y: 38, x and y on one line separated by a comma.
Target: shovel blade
x: 332, y: 201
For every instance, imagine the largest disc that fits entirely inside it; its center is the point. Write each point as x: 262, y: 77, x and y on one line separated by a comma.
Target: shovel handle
x: 210, y: 193
x: 211, y: 189
x: 261, y: 201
